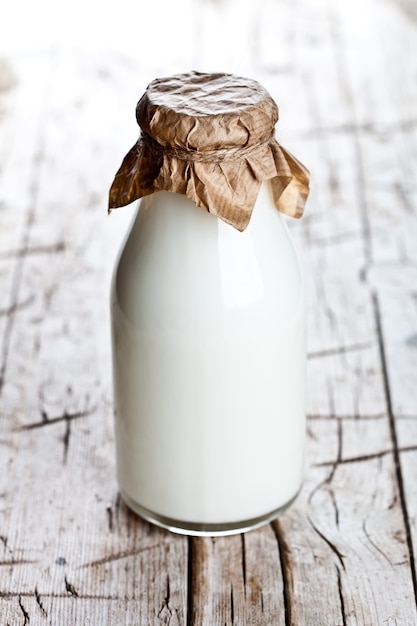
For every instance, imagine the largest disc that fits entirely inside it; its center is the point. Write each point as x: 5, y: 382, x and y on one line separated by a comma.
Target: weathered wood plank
x: 70, y: 552
x: 388, y: 155
x: 361, y: 480
x: 65, y: 535
x: 237, y: 580
x: 73, y: 609
x: 19, y: 141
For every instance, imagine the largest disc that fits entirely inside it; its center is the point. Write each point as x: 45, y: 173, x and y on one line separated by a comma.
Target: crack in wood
x: 47, y: 421
x: 29, y: 594
x: 243, y: 552
x: 39, y: 602
x: 311, y: 434
x: 403, y: 197
x: 232, y: 605
x: 355, y: 418
x: 7, y: 335
x: 286, y: 561
x: 190, y: 583
x: 25, y: 613
x: 123, y: 554
x: 367, y: 457
x: 394, y: 439
x: 340, y: 350
x: 14, y: 562
x: 374, y: 545
x: 341, y: 598
x: 61, y: 246
x: 336, y: 508
x: 70, y: 588
x: 335, y: 464
x: 109, y: 512
x: 166, y: 600
x: 17, y: 306
x: 66, y: 440
x: 331, y: 545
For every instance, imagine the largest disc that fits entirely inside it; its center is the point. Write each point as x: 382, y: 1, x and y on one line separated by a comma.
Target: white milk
x: 209, y: 366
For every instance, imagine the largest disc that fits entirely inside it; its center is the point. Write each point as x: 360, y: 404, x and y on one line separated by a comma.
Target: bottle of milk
x: 208, y: 312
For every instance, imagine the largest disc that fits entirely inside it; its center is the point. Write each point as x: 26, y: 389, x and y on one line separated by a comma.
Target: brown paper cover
x: 211, y: 138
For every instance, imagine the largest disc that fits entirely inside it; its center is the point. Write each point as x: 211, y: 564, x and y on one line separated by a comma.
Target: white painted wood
x: 70, y: 551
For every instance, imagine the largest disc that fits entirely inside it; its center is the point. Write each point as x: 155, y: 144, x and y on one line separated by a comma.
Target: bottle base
x: 203, y: 529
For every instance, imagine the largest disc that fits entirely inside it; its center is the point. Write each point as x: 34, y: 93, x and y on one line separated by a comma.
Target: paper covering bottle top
x: 211, y: 138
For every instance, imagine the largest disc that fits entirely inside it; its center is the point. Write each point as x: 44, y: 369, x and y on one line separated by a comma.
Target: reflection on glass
x: 241, y: 278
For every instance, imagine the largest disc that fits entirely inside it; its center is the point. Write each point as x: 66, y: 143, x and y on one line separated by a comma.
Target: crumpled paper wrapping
x: 211, y: 138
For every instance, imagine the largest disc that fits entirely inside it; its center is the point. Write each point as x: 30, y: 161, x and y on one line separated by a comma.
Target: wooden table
x: 345, y: 77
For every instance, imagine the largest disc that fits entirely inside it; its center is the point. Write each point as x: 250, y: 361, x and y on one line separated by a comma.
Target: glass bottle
x: 208, y: 328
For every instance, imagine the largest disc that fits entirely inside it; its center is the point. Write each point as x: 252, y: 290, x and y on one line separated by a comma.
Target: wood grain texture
x: 71, y: 552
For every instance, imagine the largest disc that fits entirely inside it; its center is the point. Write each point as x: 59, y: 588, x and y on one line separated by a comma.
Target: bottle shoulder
x: 172, y: 222
x: 179, y: 259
